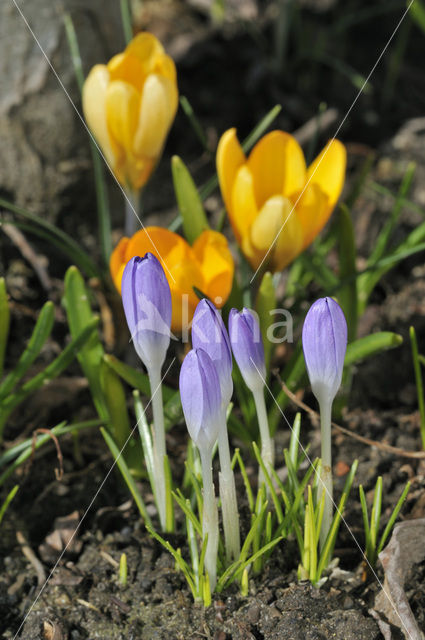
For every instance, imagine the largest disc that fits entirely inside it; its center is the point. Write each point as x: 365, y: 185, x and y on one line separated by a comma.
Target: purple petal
x: 325, y: 343
x: 247, y: 346
x: 209, y: 334
x: 146, y: 299
x: 201, y: 397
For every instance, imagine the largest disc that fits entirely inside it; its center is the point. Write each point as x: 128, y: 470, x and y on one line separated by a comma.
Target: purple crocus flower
x: 209, y: 334
x: 146, y: 299
x: 201, y: 398
x: 247, y: 346
x: 325, y: 343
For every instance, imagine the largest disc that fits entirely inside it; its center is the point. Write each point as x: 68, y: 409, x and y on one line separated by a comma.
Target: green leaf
x: 4, y: 322
x: 53, y: 370
x: 41, y: 332
x: 347, y: 294
x: 8, y: 500
x: 188, y: 200
x: 196, y: 125
x: 370, y: 345
x: 129, y: 480
x: 419, y: 381
x: 113, y: 391
x: 264, y: 305
x: 79, y: 314
x: 417, y: 13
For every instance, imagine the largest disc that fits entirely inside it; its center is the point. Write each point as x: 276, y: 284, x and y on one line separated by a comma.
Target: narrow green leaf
x: 188, y: 200
x: 103, y: 211
x: 370, y: 345
x: 419, y: 381
x: 365, y: 515
x: 393, y: 518
x: 42, y: 330
x: 376, y: 513
x: 8, y: 500
x: 196, y: 125
x: 90, y: 356
x: 177, y: 557
x: 116, y: 403
x: 125, y: 472
x: 53, y: 370
x: 417, y: 13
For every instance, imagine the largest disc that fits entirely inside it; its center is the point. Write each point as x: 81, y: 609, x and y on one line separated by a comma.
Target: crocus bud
x: 325, y: 343
x: 247, y: 346
x: 201, y: 398
x: 209, y: 334
x: 146, y: 298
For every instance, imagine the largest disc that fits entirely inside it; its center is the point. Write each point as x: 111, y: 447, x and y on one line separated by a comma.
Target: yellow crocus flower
x: 129, y: 105
x: 207, y: 265
x: 273, y: 188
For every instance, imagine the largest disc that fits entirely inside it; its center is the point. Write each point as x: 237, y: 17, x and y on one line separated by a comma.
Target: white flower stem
x: 209, y: 517
x: 267, y: 446
x: 159, y: 449
x: 326, y: 484
x: 229, y: 503
x: 132, y: 211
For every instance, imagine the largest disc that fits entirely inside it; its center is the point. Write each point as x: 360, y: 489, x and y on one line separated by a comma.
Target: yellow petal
x: 243, y: 210
x: 122, y: 106
x: 277, y: 233
x: 230, y: 157
x: 164, y: 66
x: 328, y: 170
x: 145, y: 46
x: 313, y: 211
x: 278, y: 166
x: 94, y: 108
x: 212, y: 251
x: 157, y: 110
x: 118, y: 261
x: 129, y: 69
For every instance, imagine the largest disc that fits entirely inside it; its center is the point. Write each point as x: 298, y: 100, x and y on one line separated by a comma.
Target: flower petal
x: 201, y: 398
x: 243, y: 210
x: 229, y: 158
x: 94, y: 96
x: 146, y: 299
x: 313, y: 211
x: 158, y: 107
x: 247, y: 346
x: 122, y: 106
x: 328, y: 170
x: 278, y: 166
x: 324, y: 341
x: 212, y: 252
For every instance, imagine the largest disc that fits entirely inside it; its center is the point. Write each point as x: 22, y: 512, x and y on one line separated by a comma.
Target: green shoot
x: 374, y: 544
x: 419, y: 381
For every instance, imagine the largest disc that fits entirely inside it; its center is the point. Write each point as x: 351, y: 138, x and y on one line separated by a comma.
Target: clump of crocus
x: 202, y: 407
x: 129, y: 105
x: 248, y: 349
x: 209, y: 334
x: 277, y: 205
x: 207, y: 265
x: 324, y: 341
x: 146, y: 299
